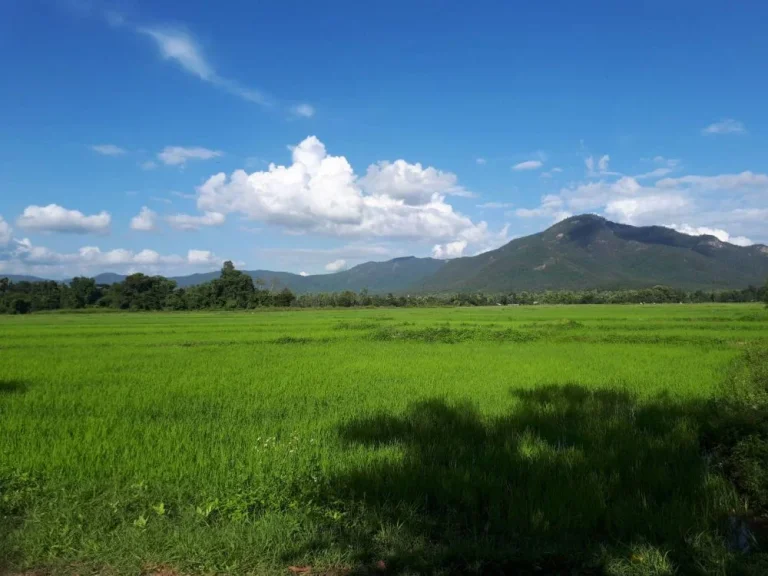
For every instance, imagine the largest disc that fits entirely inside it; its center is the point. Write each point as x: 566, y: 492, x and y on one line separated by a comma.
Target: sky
x: 167, y: 137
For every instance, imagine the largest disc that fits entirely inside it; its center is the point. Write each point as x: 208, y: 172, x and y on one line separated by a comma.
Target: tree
x: 82, y: 292
x: 765, y: 294
x: 284, y: 298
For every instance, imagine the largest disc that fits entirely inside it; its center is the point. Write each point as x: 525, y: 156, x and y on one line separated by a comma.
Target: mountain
x: 109, y: 278
x: 581, y: 252
x: 396, y: 275
x: 588, y: 251
x: 22, y: 278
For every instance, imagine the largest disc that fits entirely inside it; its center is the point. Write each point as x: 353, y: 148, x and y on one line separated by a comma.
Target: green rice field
x: 505, y: 440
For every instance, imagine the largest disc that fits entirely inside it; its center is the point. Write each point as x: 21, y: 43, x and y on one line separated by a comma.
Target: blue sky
x: 312, y: 136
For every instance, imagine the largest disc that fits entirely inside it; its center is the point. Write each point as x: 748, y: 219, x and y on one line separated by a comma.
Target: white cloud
x: 148, y: 165
x: 653, y: 174
x: 550, y: 173
x: 495, y: 205
x: 725, y: 126
x: 190, y: 222
x: 303, y: 110
x: 736, y: 203
x: 202, y: 258
x: 180, y: 47
x: 528, y: 165
x: 178, y: 155
x: 5, y: 232
x: 668, y: 162
x: 718, y: 233
x: 336, y: 265
x: 410, y: 182
x: 742, y: 181
x: 303, y: 274
x: 320, y: 193
x: 54, y: 218
x: 647, y: 209
x: 551, y: 207
x: 481, y: 161
x: 108, y: 150
x: 24, y: 257
x: 183, y: 195
x: 599, y: 167
x: 145, y: 220
x: 449, y: 250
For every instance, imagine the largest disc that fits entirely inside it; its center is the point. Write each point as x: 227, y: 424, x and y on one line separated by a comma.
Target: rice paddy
x: 460, y: 440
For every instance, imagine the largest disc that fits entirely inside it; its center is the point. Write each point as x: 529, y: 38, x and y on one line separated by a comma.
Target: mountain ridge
x: 580, y: 252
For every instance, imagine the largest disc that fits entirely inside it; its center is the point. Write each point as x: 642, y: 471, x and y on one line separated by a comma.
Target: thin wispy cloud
x: 528, y: 165
x: 178, y: 155
x: 725, y: 126
x: 108, y: 150
x: 180, y: 47
x: 303, y: 110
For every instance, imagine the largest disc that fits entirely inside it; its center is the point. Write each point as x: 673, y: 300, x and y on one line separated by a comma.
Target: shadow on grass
x: 12, y: 387
x: 568, y: 482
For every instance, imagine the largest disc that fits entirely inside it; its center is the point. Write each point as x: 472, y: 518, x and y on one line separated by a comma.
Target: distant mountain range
x: 580, y: 252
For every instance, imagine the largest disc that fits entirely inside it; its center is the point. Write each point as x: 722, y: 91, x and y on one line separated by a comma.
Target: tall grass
x: 497, y: 440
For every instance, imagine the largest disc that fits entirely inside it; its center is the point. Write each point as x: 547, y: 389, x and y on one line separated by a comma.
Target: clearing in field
x: 504, y: 440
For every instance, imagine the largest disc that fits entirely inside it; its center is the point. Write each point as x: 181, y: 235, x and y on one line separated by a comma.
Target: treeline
x: 235, y: 290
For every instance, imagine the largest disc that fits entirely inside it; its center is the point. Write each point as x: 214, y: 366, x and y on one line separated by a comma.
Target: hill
x: 396, y: 275
x: 22, y: 278
x: 588, y: 251
x: 581, y: 252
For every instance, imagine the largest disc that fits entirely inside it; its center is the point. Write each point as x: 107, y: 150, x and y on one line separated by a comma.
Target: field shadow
x: 546, y: 488
x: 12, y: 387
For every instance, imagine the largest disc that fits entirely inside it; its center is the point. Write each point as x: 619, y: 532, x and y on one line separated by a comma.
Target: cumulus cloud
x: 320, y: 193
x: 303, y: 274
x: 54, y: 218
x: 190, y: 222
x: 732, y: 202
x: 551, y: 207
x: 5, y: 232
x: 108, y: 150
x: 528, y: 165
x: 645, y: 209
x: 410, y: 182
x: 718, y: 233
x: 449, y: 250
x: 336, y: 265
x: 202, y: 257
x: 145, y: 220
x: 303, y: 110
x: 725, y: 126
x: 178, y: 155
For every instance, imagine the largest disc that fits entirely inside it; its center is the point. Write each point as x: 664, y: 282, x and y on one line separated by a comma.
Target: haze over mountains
x: 581, y: 252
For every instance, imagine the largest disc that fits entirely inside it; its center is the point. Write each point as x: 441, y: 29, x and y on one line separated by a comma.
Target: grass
x: 497, y: 440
